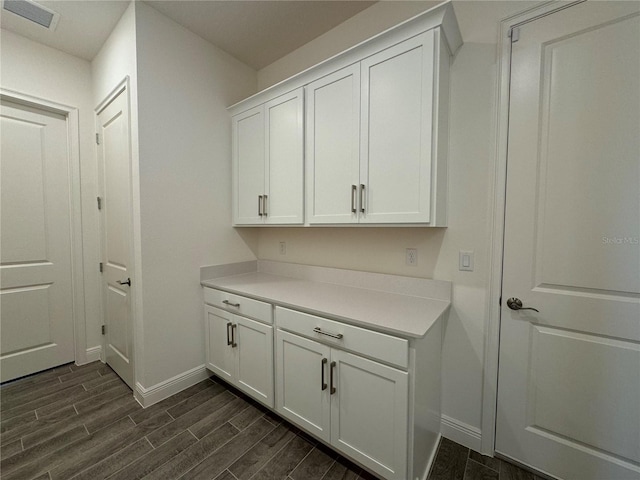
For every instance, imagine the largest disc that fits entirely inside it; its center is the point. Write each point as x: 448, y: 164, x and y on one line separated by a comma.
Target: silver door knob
x: 516, y: 304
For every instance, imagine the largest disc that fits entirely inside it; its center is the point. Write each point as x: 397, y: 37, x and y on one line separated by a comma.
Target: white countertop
x: 407, y: 316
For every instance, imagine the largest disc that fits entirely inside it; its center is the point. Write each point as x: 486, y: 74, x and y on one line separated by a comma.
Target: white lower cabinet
x: 358, y: 406
x: 240, y: 351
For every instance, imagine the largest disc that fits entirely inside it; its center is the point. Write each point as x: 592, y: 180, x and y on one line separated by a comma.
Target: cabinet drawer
x: 239, y: 304
x: 392, y: 350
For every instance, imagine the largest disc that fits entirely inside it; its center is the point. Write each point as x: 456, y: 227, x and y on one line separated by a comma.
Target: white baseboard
x: 158, y: 392
x: 461, y: 433
x: 92, y: 354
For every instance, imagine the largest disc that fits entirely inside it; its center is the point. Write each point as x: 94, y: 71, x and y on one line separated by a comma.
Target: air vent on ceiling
x: 32, y: 11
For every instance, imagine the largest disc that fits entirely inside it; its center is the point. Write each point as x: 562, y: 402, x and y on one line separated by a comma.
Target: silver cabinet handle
x: 328, y: 334
x: 323, y: 384
x: 264, y: 205
x: 260, y: 205
x: 229, y: 342
x: 227, y: 302
x: 354, y: 192
x: 362, y: 198
x: 332, y: 389
x: 233, y: 335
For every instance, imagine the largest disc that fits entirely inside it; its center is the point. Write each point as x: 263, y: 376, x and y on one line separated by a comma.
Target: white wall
x: 472, y: 132
x: 184, y: 87
x: 34, y: 69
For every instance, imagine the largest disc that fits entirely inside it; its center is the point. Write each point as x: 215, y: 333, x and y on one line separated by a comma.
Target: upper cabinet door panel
x: 285, y: 159
x: 248, y: 166
x: 397, y: 111
x: 333, y: 147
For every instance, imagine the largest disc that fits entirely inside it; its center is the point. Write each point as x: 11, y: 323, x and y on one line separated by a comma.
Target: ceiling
x: 82, y: 29
x: 256, y: 32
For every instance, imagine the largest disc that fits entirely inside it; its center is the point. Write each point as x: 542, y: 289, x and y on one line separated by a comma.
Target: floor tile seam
x: 183, y: 476
x: 231, y: 473
x: 490, y: 468
x: 272, y: 456
x: 313, y: 447
x: 163, y: 463
x: 329, y: 469
x: 238, y: 413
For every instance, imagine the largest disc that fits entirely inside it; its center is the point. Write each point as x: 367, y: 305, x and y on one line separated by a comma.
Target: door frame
x: 497, y: 194
x: 75, y: 210
x: 122, y: 86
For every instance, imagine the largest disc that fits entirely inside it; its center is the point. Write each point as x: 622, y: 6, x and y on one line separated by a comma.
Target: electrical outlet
x: 412, y: 257
x: 283, y: 248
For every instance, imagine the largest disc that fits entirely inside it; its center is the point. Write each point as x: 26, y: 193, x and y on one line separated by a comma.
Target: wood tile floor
x: 83, y: 423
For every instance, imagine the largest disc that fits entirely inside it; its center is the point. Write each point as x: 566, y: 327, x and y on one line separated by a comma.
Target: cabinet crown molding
x: 441, y: 16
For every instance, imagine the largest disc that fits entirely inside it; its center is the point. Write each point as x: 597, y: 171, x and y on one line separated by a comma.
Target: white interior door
x: 569, y: 375
x: 36, y: 298
x: 333, y: 147
x: 114, y: 162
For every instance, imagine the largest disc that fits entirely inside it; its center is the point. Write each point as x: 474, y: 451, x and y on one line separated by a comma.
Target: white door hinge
x: 514, y: 34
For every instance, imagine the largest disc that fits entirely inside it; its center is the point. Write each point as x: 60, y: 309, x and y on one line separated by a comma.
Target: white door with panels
x: 36, y: 298
x: 114, y: 166
x: 569, y: 370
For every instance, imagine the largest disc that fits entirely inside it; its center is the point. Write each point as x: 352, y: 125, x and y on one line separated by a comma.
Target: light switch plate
x: 465, y: 263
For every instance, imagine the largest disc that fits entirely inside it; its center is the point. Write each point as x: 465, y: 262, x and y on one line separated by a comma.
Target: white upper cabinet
x: 375, y: 137
x: 333, y: 147
x: 284, y: 184
x: 248, y: 166
x: 397, y: 127
x: 268, y: 162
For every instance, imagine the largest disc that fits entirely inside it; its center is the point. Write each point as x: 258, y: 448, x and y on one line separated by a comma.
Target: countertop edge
x: 444, y: 308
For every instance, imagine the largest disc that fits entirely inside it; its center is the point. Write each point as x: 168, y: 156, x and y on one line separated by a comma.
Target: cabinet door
x: 397, y: 109
x: 284, y: 159
x: 220, y: 355
x: 302, y: 383
x: 369, y: 413
x: 254, y: 342
x: 248, y: 166
x: 333, y: 147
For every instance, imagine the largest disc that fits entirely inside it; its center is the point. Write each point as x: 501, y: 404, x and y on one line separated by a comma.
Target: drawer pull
x: 322, y: 382
x: 229, y: 342
x: 333, y: 389
x: 328, y: 334
x: 233, y: 336
x: 227, y: 302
